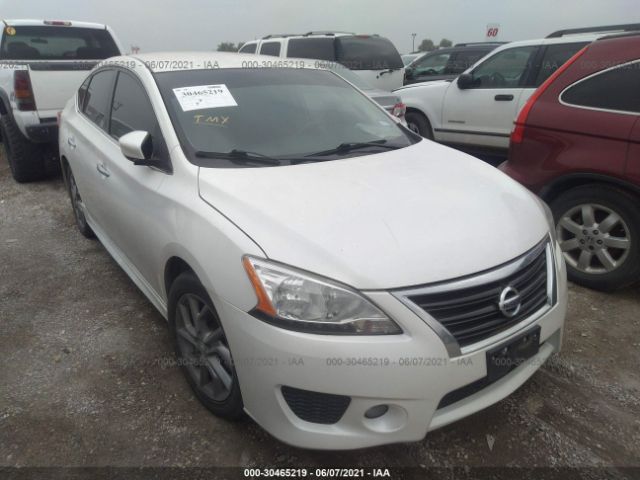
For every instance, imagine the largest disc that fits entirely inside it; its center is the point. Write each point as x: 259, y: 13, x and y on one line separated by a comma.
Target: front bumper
x: 371, y: 371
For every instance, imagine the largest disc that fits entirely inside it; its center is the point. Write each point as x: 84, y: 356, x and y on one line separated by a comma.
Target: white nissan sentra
x: 341, y: 280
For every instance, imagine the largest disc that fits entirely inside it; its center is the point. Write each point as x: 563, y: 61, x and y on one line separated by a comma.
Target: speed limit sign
x: 492, y: 31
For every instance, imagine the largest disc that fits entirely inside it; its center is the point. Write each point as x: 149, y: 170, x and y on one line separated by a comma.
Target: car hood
x: 413, y: 216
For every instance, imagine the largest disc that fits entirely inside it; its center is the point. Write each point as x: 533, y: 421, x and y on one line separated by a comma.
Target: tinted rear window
x: 58, y: 43
x: 367, y: 53
x: 554, y: 57
x: 318, y: 48
x: 270, y: 48
x: 616, y: 89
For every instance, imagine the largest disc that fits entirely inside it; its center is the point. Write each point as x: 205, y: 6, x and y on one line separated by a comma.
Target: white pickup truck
x: 42, y: 64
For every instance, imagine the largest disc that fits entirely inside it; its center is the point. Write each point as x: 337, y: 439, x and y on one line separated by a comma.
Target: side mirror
x: 409, y: 72
x: 137, y: 147
x: 465, y: 81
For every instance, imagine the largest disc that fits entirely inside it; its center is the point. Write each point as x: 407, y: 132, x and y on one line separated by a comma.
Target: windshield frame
x: 191, y: 152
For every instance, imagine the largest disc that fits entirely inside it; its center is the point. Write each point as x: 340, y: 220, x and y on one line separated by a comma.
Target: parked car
x: 407, y: 58
x: 42, y: 64
x: 446, y: 63
x: 577, y: 144
x: 311, y: 255
x: 387, y: 100
x: 476, y: 111
x: 372, y: 57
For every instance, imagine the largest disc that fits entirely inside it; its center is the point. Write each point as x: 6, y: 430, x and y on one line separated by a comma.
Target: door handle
x: 71, y: 142
x: 102, y: 170
x: 503, y: 98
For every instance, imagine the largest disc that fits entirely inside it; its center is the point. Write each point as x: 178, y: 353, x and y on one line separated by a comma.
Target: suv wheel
x: 26, y: 160
x: 419, y: 124
x: 202, y: 348
x: 598, y: 228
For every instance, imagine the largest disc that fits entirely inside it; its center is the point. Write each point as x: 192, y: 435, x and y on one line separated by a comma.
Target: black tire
x: 228, y: 403
x: 76, y: 202
x: 621, y: 239
x: 26, y: 159
x: 419, y: 124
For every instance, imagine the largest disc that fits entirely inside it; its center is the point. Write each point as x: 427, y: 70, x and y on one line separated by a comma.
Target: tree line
x: 427, y: 45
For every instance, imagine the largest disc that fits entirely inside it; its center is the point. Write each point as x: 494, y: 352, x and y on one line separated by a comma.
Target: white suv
x: 476, y: 111
x: 372, y: 57
x: 322, y: 268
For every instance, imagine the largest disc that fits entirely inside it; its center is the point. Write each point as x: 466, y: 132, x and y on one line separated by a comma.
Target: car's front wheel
x: 419, y: 124
x: 202, y: 348
x: 598, y: 227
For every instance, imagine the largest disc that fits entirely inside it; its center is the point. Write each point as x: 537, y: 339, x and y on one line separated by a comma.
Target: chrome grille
x: 469, y: 309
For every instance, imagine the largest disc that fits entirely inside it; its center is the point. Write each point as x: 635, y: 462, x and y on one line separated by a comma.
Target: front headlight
x: 300, y: 301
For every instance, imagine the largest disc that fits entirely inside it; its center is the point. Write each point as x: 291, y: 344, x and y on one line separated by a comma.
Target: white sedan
x: 322, y: 268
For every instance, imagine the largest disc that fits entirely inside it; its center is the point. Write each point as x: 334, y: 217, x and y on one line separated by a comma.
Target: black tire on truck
x: 26, y: 159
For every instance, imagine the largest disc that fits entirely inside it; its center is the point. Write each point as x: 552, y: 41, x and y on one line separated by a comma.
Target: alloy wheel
x: 594, y: 239
x: 204, y: 348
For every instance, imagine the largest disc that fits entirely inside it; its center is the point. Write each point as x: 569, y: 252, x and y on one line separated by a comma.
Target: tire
x: 202, y: 349
x: 26, y: 159
x: 598, y: 227
x: 76, y: 202
x: 419, y: 124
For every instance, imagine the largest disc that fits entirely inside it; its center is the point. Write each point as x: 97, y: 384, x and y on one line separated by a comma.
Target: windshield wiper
x: 350, y: 146
x: 240, y: 156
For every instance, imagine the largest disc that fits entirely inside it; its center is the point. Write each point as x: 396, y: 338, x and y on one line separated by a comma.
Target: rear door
x: 484, y: 113
x: 59, y: 59
x: 87, y: 142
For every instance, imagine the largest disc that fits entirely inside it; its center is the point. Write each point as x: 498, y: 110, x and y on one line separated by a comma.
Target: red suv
x: 576, y: 143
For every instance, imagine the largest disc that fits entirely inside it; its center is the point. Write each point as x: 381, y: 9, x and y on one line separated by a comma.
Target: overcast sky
x: 202, y: 24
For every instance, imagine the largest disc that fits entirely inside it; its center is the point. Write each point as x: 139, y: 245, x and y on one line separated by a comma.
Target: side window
x: 463, y: 60
x: 248, y: 48
x: 504, y: 69
x: 316, y: 48
x: 97, y: 97
x: 82, y: 93
x: 554, y: 57
x: 270, y: 48
x: 431, y: 64
x: 616, y: 89
x: 131, y: 109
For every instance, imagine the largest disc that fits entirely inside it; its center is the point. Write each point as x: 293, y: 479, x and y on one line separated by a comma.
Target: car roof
x: 41, y: 23
x: 180, y: 61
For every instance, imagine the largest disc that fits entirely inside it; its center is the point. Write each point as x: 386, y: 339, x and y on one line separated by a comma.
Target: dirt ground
x: 83, y: 383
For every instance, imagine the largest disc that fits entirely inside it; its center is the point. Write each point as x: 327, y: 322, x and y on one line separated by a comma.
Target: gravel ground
x: 83, y: 383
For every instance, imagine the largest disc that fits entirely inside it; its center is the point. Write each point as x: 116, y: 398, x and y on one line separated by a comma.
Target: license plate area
x: 504, y: 358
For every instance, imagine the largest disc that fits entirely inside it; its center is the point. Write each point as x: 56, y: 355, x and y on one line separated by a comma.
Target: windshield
x: 58, y: 43
x: 367, y: 53
x: 279, y: 116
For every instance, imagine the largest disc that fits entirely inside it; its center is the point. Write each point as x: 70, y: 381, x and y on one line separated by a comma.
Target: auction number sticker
x: 204, y: 96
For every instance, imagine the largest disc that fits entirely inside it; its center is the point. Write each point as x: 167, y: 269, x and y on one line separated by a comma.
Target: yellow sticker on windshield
x: 10, y: 31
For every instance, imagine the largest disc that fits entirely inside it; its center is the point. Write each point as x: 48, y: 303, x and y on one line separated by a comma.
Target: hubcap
x: 204, y: 348
x: 594, y: 238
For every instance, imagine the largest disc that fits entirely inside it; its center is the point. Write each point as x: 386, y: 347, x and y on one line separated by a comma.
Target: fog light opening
x: 376, y: 411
